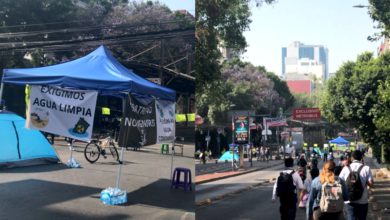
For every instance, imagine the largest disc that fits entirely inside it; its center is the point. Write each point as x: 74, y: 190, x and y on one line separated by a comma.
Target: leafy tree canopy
x: 379, y: 11
x: 358, y: 95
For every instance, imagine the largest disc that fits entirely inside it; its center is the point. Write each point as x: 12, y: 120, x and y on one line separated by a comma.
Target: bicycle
x: 97, y: 147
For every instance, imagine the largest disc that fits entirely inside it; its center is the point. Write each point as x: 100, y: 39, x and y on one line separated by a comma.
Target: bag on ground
x: 332, y: 197
x: 354, y: 184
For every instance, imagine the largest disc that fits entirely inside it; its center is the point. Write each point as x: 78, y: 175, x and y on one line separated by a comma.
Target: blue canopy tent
x: 21, y: 146
x: 98, y: 70
x: 339, y: 140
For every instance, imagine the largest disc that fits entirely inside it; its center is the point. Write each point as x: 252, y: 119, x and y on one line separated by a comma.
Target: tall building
x: 305, y: 61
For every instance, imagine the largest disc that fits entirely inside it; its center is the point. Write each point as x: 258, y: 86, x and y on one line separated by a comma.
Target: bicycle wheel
x: 114, y: 152
x: 92, y: 152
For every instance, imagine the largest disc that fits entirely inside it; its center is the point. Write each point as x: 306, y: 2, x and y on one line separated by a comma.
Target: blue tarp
x: 228, y: 156
x: 339, y: 140
x: 318, y: 151
x: 20, y: 146
x: 98, y: 70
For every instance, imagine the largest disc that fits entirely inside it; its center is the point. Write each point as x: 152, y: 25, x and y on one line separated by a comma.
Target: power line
x: 88, y: 28
x: 129, y: 37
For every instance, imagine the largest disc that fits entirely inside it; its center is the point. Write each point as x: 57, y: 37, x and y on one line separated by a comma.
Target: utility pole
x: 162, y: 60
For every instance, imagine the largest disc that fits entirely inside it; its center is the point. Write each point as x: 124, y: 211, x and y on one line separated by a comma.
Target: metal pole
x: 119, y: 169
x: 123, y: 142
x: 71, y: 152
x: 232, y: 141
x: 173, y: 153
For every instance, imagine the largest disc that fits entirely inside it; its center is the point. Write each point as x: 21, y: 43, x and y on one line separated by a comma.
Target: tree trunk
x: 240, y: 149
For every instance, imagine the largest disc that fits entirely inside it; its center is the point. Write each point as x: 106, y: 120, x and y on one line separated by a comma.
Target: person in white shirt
x: 288, y: 204
x: 357, y: 209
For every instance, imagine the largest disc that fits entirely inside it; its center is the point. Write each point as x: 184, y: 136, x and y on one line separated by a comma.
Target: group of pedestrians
x: 337, y: 192
x: 264, y: 154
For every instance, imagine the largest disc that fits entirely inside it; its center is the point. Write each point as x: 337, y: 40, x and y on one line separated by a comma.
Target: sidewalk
x: 212, y: 172
x: 379, y: 200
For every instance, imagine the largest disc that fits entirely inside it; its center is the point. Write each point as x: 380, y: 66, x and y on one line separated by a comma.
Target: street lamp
x: 360, y: 6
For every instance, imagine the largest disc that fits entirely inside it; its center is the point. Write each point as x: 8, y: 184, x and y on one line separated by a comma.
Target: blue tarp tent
x: 228, y: 156
x: 98, y: 70
x: 339, y: 140
x: 20, y: 146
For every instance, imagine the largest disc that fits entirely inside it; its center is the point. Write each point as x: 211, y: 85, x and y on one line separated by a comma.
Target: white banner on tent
x: 165, y: 117
x: 64, y: 112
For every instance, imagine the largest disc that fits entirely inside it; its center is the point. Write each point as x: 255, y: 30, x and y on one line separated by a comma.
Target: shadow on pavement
x: 160, y: 194
x: 32, y: 199
x: 36, y: 168
x: 113, y: 162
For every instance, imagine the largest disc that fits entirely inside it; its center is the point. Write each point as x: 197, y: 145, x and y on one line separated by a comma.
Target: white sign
x: 165, y: 117
x: 64, y: 112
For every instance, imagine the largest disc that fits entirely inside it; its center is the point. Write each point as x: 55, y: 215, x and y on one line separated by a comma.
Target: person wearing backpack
x: 287, y: 187
x: 357, y: 177
x: 314, y: 172
x: 327, y: 195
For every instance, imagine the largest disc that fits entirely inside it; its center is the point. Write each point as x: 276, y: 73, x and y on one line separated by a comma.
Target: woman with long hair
x: 326, y: 178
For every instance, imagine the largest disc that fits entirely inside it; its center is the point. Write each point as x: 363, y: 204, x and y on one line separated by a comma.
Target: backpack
x: 332, y: 197
x: 285, y: 185
x: 354, y: 184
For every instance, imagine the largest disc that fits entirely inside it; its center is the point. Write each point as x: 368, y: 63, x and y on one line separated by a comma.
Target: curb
x: 236, y: 174
x: 229, y: 194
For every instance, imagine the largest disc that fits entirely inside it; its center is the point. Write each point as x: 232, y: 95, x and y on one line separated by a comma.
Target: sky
x: 174, y: 5
x: 334, y: 24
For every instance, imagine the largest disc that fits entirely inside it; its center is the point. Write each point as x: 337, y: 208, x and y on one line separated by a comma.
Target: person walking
x: 358, y: 178
x: 325, y: 155
x: 302, y: 162
x: 327, y: 195
x: 314, y: 172
x: 267, y: 154
x: 287, y: 188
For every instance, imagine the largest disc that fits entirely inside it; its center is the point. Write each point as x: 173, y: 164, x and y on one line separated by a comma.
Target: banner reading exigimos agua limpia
x: 147, y: 121
x: 60, y: 111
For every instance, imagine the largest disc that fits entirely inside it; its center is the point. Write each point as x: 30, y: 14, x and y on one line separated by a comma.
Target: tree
x: 144, y: 17
x: 219, y: 23
x: 247, y: 87
x: 379, y: 11
x: 44, y: 32
x: 356, y: 96
x: 281, y: 88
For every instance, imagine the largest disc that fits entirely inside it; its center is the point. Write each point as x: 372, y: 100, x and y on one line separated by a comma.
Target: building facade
x: 302, y: 60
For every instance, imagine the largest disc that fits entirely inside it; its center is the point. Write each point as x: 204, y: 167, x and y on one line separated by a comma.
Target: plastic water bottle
x: 105, y: 198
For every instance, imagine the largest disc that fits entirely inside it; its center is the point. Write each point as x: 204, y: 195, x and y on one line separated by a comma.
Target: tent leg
x: 71, y: 150
x: 119, y: 169
x: 173, y: 153
x: 72, y: 163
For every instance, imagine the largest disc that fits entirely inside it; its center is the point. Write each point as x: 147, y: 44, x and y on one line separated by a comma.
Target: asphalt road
x: 57, y: 192
x: 252, y: 204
